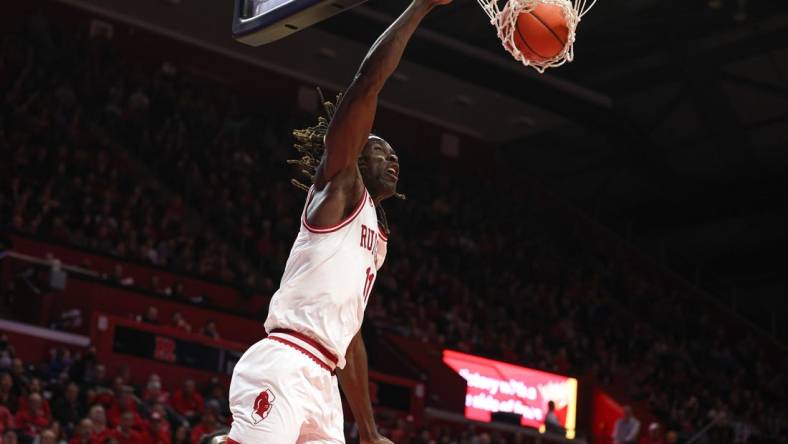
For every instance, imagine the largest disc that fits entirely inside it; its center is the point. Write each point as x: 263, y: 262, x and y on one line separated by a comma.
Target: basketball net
x: 505, y: 21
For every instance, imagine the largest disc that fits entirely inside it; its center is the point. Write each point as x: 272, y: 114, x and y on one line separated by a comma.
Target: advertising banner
x: 498, y: 387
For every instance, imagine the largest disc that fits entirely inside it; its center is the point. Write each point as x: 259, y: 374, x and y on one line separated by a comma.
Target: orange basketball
x: 541, y: 33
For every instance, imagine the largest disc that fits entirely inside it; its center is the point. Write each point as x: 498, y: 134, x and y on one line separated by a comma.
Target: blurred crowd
x: 59, y: 181
x: 491, y: 266
x: 72, y: 398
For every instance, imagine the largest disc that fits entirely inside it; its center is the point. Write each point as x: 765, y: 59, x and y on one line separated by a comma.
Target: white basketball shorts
x: 284, y: 391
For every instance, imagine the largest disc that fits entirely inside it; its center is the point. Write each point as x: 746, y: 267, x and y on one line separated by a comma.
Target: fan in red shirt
x: 154, y: 393
x: 6, y: 419
x: 402, y: 433
x: 125, y: 433
x: 9, y: 437
x: 48, y: 436
x: 84, y: 433
x: 8, y: 396
x: 33, y: 418
x: 35, y: 387
x: 158, y: 430
x: 207, y: 425
x: 654, y: 435
x: 99, y: 419
x: 187, y: 401
x: 126, y: 402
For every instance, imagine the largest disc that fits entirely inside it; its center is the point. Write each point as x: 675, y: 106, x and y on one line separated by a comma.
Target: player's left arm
x: 354, y: 379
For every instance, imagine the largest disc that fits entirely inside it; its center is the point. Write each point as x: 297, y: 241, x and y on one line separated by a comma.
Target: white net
x: 505, y: 22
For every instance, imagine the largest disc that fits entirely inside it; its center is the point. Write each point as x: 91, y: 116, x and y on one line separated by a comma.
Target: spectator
x: 124, y: 372
x: 98, y: 418
x: 627, y: 428
x: 151, y: 316
x: 58, y: 432
x: 6, y: 420
x: 33, y: 418
x: 208, y: 424
x: 119, y: 277
x: 182, y: 434
x: 125, y: 403
x: 210, y: 330
x: 155, y: 285
x: 158, y: 431
x: 21, y: 380
x: 168, y: 417
x: 8, y: 396
x: 154, y: 393
x: 654, y: 435
x: 35, y: 387
x: 401, y: 433
x: 187, y: 401
x: 84, y: 433
x: 5, y: 359
x: 68, y: 409
x: 48, y: 437
x: 178, y: 291
x: 125, y: 433
x: 551, y: 422
x: 60, y: 359
x: 9, y: 437
x: 217, y: 398
x: 423, y: 437
x: 98, y: 380
x: 179, y: 322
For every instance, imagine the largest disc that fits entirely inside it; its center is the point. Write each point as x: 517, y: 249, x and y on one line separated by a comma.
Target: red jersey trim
x: 347, y: 220
x: 383, y: 235
x: 231, y: 441
x: 309, y: 354
x: 318, y: 346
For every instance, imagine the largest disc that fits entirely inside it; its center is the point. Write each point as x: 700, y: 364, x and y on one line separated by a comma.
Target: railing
x: 84, y: 293
x: 221, y: 296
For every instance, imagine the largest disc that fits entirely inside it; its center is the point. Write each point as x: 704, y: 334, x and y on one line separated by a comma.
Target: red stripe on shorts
x: 330, y: 356
x: 302, y: 350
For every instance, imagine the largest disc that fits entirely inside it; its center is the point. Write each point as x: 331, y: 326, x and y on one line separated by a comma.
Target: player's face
x: 379, y: 167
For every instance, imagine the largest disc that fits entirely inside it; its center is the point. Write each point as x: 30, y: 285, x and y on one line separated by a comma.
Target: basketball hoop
x: 505, y: 22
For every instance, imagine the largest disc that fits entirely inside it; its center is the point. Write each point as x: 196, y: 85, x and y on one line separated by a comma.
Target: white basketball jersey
x: 328, y: 278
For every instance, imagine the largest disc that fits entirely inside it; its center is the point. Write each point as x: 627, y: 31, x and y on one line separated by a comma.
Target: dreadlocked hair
x: 310, y: 144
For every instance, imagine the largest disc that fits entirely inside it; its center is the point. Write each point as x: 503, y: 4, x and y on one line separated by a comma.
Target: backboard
x: 257, y: 22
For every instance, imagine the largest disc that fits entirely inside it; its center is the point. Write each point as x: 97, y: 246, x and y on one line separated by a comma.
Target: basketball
x: 542, y: 33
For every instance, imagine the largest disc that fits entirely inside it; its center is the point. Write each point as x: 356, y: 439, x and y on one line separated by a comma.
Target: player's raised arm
x: 352, y: 122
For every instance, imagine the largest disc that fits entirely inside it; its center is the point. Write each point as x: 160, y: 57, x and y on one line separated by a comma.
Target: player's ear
x: 362, y: 164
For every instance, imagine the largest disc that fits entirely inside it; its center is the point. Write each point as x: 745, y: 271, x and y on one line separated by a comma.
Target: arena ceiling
x: 671, y: 125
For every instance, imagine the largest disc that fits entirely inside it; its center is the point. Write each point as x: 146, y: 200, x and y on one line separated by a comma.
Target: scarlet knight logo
x: 262, y: 405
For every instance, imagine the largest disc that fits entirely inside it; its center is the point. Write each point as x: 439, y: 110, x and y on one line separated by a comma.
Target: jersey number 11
x: 368, y: 283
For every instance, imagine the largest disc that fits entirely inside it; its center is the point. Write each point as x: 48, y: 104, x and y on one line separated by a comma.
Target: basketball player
x: 284, y: 389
